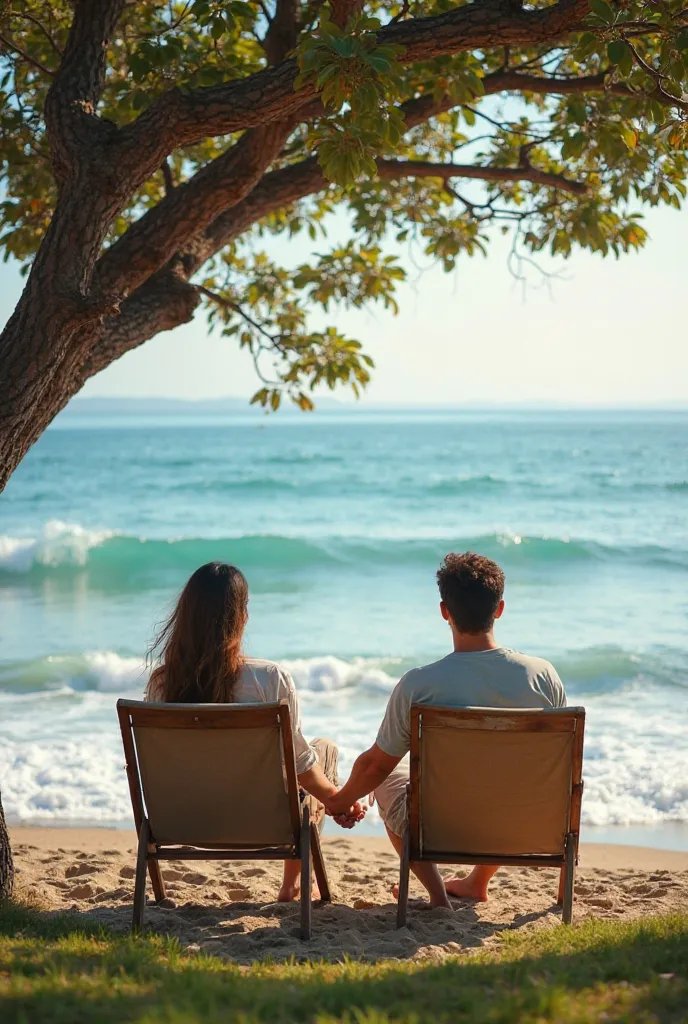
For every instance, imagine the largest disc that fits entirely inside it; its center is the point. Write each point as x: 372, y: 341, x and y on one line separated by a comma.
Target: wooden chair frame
x: 565, y: 720
x: 306, y: 840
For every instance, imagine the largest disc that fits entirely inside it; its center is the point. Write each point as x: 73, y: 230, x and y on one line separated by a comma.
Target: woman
x: 200, y: 661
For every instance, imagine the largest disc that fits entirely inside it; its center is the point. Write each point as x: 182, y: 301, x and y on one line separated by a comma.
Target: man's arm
x: 370, y: 769
x: 315, y: 782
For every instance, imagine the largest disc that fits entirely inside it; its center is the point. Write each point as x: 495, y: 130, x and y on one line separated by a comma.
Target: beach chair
x: 216, y: 782
x: 492, y: 786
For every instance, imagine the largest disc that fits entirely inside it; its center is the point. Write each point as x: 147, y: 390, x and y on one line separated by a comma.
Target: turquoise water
x: 339, y: 522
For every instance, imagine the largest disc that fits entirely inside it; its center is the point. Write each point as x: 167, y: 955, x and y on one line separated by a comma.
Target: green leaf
x: 619, y: 53
x: 378, y: 63
x: 603, y: 11
x: 587, y: 44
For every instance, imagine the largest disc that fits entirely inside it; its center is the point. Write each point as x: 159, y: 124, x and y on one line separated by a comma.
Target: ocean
x: 339, y: 521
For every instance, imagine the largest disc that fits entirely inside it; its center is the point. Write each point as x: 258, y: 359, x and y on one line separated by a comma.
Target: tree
x: 150, y: 149
x: 6, y: 862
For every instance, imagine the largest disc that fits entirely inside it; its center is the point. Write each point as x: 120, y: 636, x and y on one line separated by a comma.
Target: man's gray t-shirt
x: 497, y: 678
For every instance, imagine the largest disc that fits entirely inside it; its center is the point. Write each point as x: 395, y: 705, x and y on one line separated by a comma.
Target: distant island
x: 124, y: 406
x: 232, y: 406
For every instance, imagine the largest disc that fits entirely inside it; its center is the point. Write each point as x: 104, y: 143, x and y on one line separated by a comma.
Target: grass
x: 55, y: 970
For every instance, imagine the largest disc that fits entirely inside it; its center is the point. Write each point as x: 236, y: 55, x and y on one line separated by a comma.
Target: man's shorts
x: 391, y: 798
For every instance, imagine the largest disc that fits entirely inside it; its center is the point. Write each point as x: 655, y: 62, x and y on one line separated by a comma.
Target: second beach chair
x: 493, y: 786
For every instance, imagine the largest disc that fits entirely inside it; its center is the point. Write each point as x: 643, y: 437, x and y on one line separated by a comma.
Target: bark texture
x: 6, y: 861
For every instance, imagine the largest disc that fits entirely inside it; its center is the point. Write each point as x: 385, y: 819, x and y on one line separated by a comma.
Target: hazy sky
x: 606, y: 332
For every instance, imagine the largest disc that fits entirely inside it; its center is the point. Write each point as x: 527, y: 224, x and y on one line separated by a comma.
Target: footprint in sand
x: 172, y: 875
x: 127, y: 872
x: 644, y: 890
x: 238, y: 892
x: 79, y: 869
x: 82, y: 892
x: 601, y: 901
x: 253, y: 872
x: 348, y: 876
x: 113, y: 894
x: 194, y: 878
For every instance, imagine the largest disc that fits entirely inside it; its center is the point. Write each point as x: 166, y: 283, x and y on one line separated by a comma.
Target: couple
x: 201, y: 661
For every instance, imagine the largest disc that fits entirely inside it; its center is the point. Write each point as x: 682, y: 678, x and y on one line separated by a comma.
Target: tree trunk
x: 6, y: 862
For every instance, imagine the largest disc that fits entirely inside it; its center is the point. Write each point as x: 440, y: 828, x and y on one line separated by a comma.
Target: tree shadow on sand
x: 245, y: 931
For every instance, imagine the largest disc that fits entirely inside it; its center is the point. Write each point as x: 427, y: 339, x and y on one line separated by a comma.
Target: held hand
x: 350, y: 817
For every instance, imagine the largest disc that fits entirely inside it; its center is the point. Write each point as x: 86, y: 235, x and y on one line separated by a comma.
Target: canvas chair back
x: 488, y: 781
x: 216, y: 775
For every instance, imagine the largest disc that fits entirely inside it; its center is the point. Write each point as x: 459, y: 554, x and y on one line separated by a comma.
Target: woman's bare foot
x: 435, y: 900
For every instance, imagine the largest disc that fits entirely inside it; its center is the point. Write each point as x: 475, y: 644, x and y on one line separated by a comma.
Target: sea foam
x: 63, y: 763
x: 57, y: 544
x: 69, y: 547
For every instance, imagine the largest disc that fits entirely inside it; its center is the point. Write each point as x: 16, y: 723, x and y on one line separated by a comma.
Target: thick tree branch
x: 179, y: 118
x: 525, y: 172
x: 152, y: 241
x: 152, y: 308
x: 513, y: 81
x: 73, y: 128
x: 82, y: 69
x: 283, y: 31
x: 164, y: 302
x: 421, y: 108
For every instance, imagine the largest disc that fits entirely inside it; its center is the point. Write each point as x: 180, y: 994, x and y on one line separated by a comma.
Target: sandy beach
x: 228, y: 909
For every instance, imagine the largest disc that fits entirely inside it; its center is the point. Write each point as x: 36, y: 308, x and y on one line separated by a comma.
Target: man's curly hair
x: 471, y: 586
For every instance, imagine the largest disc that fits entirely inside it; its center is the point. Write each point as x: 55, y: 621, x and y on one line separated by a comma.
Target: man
x: 478, y: 673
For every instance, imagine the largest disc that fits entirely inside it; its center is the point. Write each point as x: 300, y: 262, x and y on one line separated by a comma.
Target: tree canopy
x: 151, y: 150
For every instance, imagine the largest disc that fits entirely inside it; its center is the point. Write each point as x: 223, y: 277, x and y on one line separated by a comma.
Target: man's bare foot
x: 292, y: 892
x: 435, y: 901
x: 288, y: 893
x: 466, y: 888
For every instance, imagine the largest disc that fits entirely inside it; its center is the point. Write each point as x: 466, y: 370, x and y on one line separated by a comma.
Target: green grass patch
x: 56, y: 970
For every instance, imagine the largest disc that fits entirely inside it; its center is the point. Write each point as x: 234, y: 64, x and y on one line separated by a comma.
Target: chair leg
x: 156, y: 878
x: 306, y: 906
x: 319, y: 867
x: 570, y: 853
x: 140, y: 880
x: 404, y: 869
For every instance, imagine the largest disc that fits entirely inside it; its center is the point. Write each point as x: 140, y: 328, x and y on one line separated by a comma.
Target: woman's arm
x: 315, y: 782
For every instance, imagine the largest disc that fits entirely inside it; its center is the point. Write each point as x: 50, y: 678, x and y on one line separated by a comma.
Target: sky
x: 603, y: 332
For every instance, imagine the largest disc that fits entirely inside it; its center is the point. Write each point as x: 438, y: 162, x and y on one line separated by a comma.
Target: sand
x: 228, y: 909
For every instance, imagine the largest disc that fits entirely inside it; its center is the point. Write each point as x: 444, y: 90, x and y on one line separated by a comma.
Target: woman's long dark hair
x: 198, y: 650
